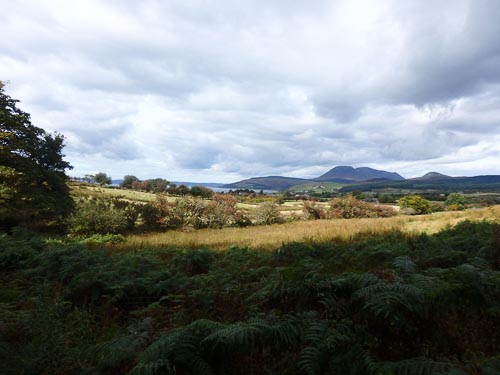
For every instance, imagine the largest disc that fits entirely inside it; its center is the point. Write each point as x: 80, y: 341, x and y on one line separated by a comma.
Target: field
x: 318, y: 187
x: 273, y: 236
x: 86, y: 190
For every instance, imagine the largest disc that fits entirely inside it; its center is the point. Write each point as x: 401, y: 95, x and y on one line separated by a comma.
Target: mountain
x: 357, y: 174
x: 341, y: 175
x: 488, y: 183
x: 268, y: 183
x: 431, y: 176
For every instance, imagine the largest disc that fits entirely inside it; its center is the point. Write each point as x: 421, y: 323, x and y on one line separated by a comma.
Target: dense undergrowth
x: 386, y: 304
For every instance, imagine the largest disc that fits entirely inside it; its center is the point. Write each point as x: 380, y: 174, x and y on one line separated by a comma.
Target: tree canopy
x: 416, y: 203
x: 456, y: 200
x: 128, y: 180
x: 33, y: 190
x: 102, y: 178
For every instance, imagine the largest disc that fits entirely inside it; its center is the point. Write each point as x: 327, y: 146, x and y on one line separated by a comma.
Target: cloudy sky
x: 223, y: 90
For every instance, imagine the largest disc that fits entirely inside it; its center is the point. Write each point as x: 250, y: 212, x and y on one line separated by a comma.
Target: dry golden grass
x: 80, y: 190
x: 273, y: 236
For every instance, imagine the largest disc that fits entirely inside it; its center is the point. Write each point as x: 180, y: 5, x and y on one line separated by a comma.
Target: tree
x: 33, y: 190
x: 102, y: 178
x: 201, y: 191
x: 455, y: 201
x: 415, y: 203
x: 158, y: 185
x: 128, y: 180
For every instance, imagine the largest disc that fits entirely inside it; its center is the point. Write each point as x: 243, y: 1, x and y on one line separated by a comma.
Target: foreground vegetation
x: 273, y: 236
x: 392, y: 303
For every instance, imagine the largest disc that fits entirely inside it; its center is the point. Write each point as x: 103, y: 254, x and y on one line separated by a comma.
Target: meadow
x: 88, y: 190
x: 272, y: 236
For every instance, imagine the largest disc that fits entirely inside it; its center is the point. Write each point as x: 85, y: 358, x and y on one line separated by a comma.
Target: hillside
x: 268, y: 183
x: 340, y: 175
x: 489, y: 183
x: 432, y: 176
x: 357, y: 174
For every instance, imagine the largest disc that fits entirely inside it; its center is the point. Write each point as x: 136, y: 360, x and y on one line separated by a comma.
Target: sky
x: 221, y: 90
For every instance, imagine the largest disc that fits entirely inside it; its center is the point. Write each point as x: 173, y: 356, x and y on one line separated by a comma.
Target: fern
x: 177, y: 348
x: 236, y: 337
x: 390, y: 300
x: 286, y: 334
x: 309, y: 361
x: 416, y: 367
x: 157, y: 367
x: 405, y: 265
x: 116, y: 352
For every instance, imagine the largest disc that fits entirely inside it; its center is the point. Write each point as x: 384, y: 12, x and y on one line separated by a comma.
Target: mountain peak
x: 432, y: 176
x: 347, y: 172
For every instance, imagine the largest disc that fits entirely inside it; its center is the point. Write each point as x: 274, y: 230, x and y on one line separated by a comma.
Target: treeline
x: 379, y: 305
x: 152, y: 185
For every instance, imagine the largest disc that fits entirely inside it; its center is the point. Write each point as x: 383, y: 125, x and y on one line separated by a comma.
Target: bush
x: 416, y: 203
x: 267, y: 213
x: 97, y: 239
x: 313, y: 211
x: 219, y: 212
x: 97, y: 216
x: 455, y: 202
x: 350, y: 207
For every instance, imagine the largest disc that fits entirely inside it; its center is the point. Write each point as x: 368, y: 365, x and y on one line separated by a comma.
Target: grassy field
x: 85, y: 190
x: 318, y: 187
x: 273, y: 236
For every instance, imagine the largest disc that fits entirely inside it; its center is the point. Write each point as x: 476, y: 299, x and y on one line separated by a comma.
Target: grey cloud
x: 266, y: 88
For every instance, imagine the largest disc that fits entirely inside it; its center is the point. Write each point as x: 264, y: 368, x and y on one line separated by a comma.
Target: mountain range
x: 340, y: 174
x: 369, y: 179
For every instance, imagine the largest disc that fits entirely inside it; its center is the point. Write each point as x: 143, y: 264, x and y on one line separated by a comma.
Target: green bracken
x: 383, y: 304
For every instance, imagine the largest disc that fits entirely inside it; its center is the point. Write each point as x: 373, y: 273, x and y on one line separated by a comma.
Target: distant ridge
x: 487, y: 183
x: 341, y: 174
x: 357, y: 174
x: 268, y: 183
x: 432, y: 176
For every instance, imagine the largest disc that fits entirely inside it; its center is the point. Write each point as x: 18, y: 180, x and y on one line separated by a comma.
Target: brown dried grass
x: 272, y: 236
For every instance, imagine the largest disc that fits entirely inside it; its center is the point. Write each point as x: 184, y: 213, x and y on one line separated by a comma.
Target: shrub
x: 350, y: 207
x: 455, y: 202
x: 97, y: 216
x: 416, y: 203
x: 313, y: 211
x: 97, y: 239
x: 221, y: 211
x: 267, y: 213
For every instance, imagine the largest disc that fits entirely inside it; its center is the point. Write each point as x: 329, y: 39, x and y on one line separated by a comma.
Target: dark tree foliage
x: 102, y: 178
x: 201, y: 191
x: 128, y: 180
x: 33, y: 190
